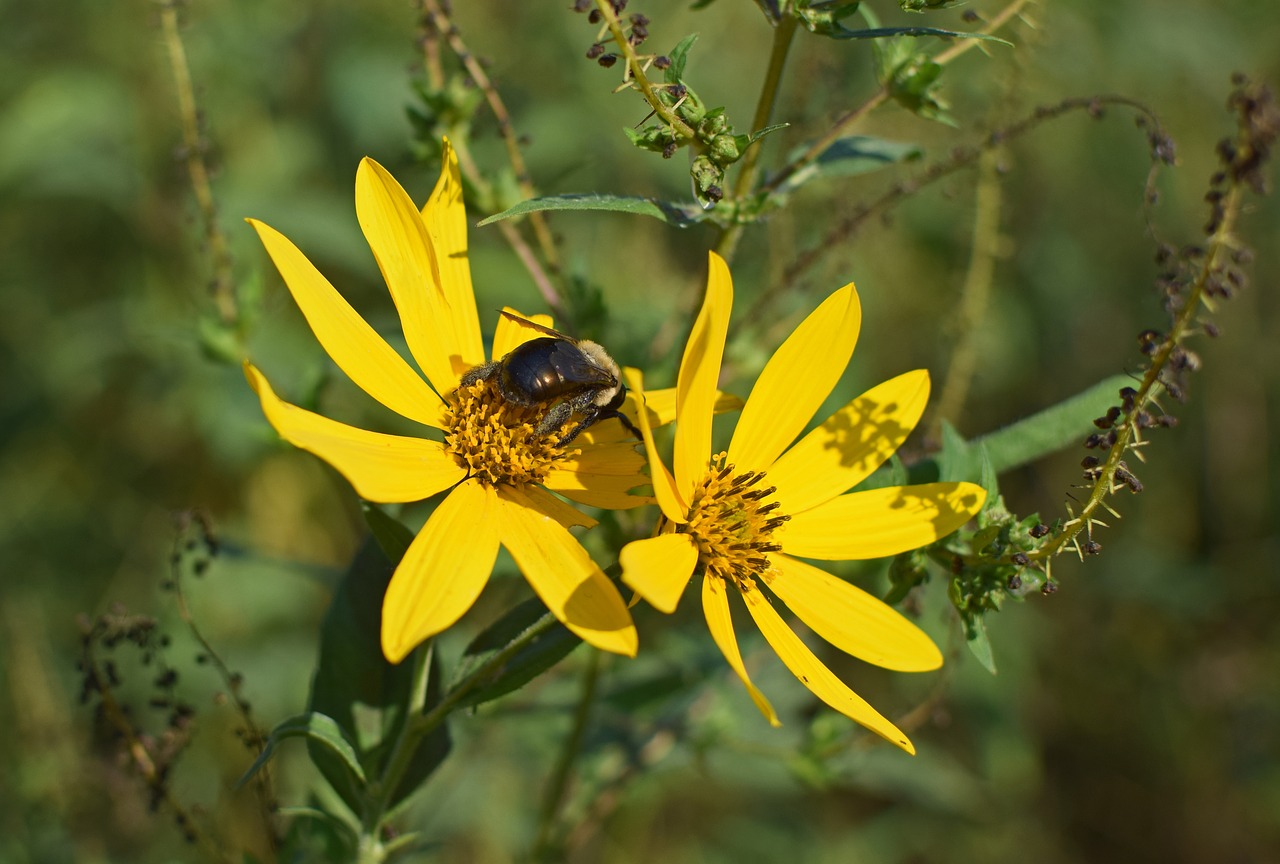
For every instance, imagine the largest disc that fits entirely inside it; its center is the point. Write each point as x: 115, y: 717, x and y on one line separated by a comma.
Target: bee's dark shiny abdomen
x: 545, y: 369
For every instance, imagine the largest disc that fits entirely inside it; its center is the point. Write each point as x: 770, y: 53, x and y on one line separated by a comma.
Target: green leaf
x: 542, y: 652
x: 979, y: 644
x: 841, y: 32
x: 849, y: 157
x: 392, y: 536
x: 679, y: 56
x: 353, y: 677
x: 679, y: 215
x: 315, y: 727
x: 958, y: 462
x: 1052, y: 429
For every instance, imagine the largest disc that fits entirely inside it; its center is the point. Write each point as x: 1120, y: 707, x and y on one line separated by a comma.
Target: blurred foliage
x: 1135, y: 715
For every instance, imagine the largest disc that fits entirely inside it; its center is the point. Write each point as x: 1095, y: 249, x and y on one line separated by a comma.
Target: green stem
x: 543, y: 849
x: 636, y: 69
x: 419, y: 724
x: 782, y: 36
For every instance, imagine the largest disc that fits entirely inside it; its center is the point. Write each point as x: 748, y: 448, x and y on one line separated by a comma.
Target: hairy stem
x: 782, y: 37
x: 193, y: 146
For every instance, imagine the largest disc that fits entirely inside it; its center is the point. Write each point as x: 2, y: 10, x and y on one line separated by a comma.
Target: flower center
x: 495, y: 440
x: 732, y: 524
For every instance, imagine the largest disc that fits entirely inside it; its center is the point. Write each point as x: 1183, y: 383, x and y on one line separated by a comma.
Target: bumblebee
x: 572, y: 377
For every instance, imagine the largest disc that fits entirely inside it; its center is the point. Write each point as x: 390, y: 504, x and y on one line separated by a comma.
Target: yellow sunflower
x: 497, y: 469
x: 743, y: 519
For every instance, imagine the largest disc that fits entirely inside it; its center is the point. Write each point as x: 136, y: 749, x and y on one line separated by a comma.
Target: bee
x: 573, y: 377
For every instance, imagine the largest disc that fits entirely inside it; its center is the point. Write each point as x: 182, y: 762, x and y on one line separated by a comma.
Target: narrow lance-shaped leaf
x: 679, y: 215
x: 315, y: 727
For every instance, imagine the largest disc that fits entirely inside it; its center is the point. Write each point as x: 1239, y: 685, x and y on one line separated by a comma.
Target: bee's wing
x: 576, y: 368
x: 525, y: 322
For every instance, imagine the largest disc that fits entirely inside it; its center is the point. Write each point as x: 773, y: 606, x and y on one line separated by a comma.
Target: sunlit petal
x: 508, y: 334
x: 715, y: 605
x: 564, y: 576
x: 670, y: 500
x: 851, y: 619
x: 796, y: 381
x: 881, y: 522
x: 443, y: 571
x: 659, y: 567
x: 699, y: 371
x: 399, y: 241
x: 566, y: 514
x: 817, y: 677
x: 852, y: 443
x: 445, y: 217
x: 382, y: 468
x: 662, y: 405
x: 357, y: 349
x: 601, y: 476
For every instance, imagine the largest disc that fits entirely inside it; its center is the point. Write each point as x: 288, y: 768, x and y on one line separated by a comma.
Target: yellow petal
x: 715, y: 605
x: 443, y: 571
x: 817, y: 677
x: 662, y: 405
x: 601, y: 476
x: 430, y: 319
x: 548, y: 504
x: 696, y: 383
x: 851, y: 619
x: 564, y: 576
x: 880, y: 522
x: 357, y: 349
x: 382, y: 468
x: 445, y: 217
x: 670, y: 501
x: 659, y: 567
x: 852, y: 443
x: 796, y: 381
x: 508, y: 334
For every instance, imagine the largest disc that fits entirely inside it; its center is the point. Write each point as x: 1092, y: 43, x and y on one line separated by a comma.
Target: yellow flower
x: 497, y: 470
x: 739, y: 518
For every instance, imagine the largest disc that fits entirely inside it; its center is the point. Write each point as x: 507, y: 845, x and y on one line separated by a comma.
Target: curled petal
x: 817, y: 677
x: 851, y: 619
x: 658, y: 568
x: 670, y: 500
x: 358, y: 350
x: 443, y: 571
x: 382, y: 468
x: 562, y: 573
x: 852, y: 443
x: 696, y: 382
x: 881, y: 522
x: 796, y: 381
x: 715, y: 605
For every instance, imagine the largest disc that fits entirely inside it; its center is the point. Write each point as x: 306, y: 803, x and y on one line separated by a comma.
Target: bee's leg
x: 555, y: 418
x: 480, y: 373
x: 623, y: 419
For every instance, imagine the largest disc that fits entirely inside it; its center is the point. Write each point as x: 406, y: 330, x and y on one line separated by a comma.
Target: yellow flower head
x: 739, y: 518
x: 497, y: 469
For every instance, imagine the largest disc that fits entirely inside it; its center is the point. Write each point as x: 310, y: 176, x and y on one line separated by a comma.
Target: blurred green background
x: 1136, y: 714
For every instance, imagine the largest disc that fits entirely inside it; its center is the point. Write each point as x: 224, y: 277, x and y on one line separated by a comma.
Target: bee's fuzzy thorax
x: 599, y: 357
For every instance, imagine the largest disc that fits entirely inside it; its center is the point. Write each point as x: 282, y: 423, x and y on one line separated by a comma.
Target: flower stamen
x: 730, y: 524
x: 496, y: 441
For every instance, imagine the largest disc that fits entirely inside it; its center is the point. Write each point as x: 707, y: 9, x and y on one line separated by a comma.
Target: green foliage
x: 124, y: 400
